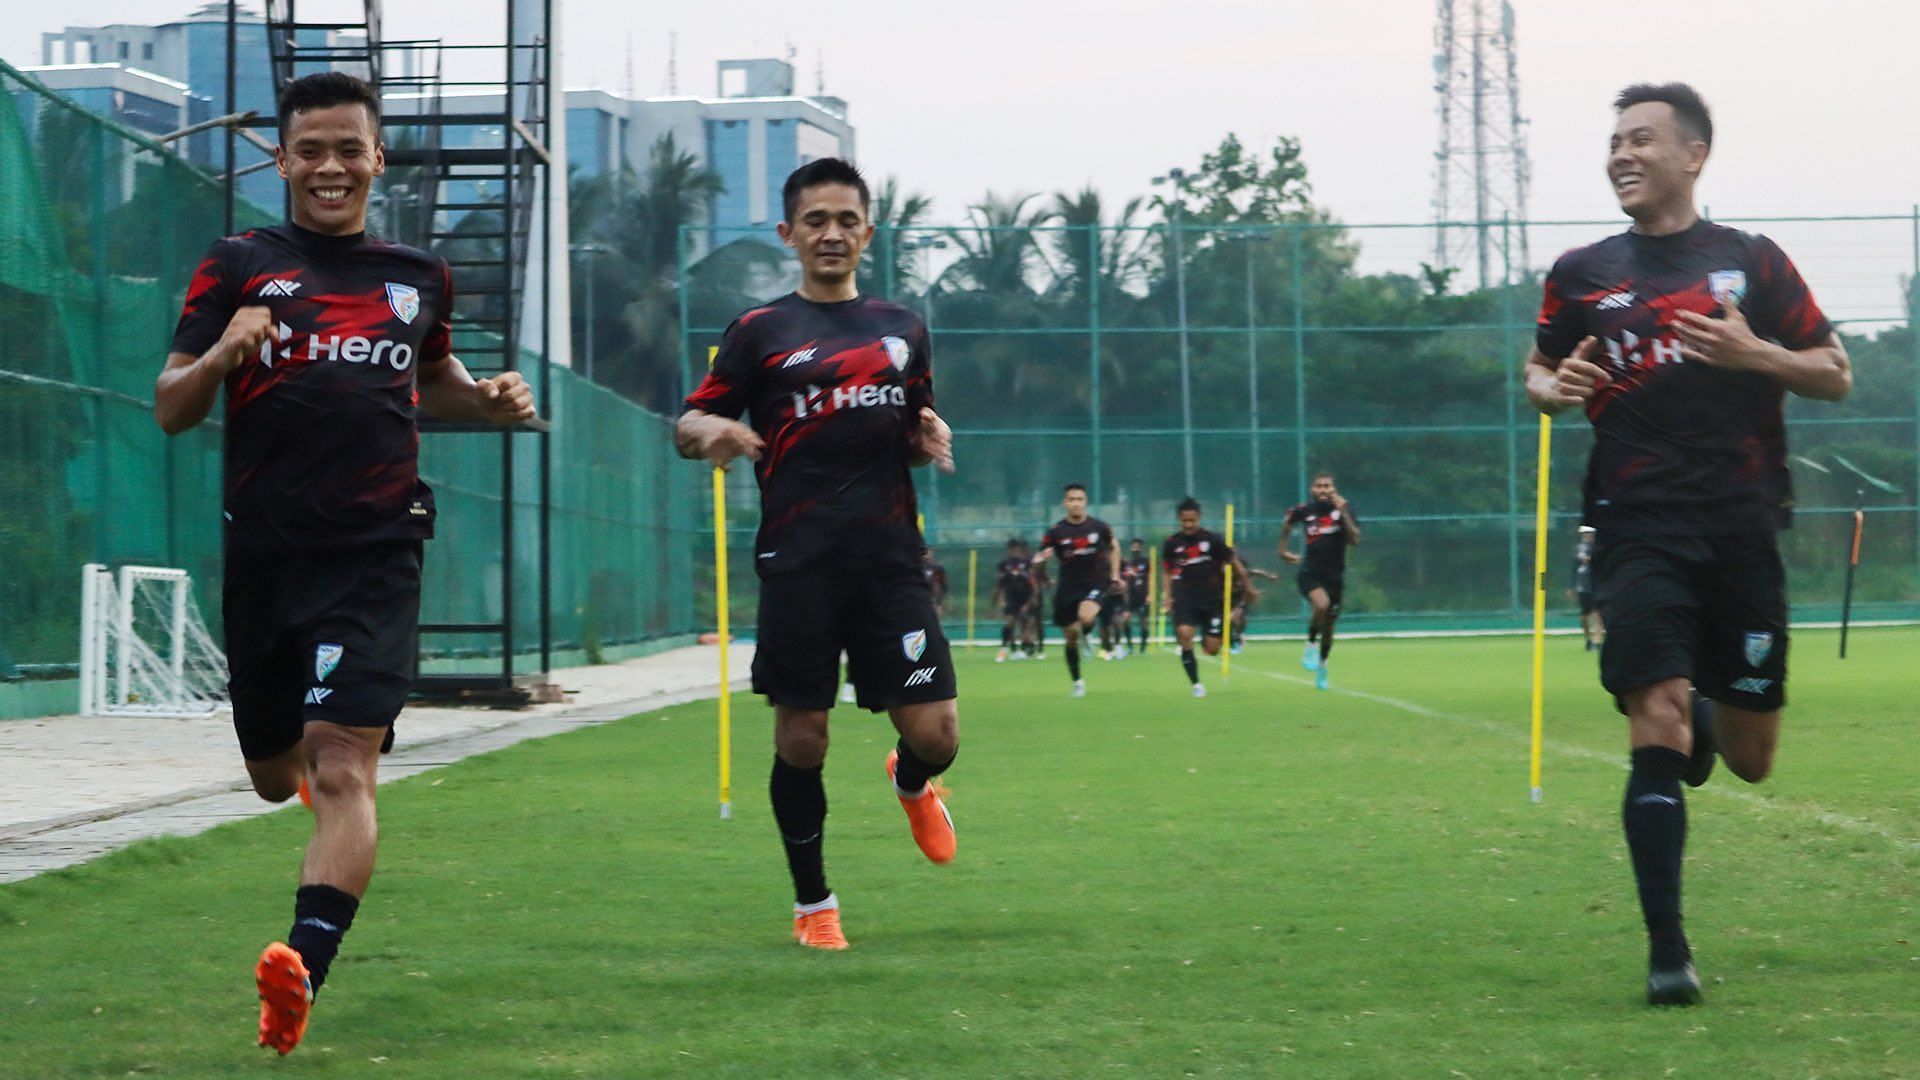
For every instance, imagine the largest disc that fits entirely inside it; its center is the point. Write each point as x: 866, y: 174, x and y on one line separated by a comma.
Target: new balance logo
x: 1619, y: 301
x: 1751, y: 685
x: 799, y: 358
x: 923, y: 677
x: 318, y: 695
x: 279, y: 287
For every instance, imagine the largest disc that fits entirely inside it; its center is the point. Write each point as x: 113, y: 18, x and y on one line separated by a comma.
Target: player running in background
x: 1089, y: 567
x: 1036, y: 624
x: 1330, y: 528
x: 329, y: 343
x: 1582, y: 590
x: 1681, y: 340
x: 839, y: 387
x: 1134, y: 572
x: 936, y: 582
x: 1194, y: 559
x: 1013, y: 595
x: 1244, y: 597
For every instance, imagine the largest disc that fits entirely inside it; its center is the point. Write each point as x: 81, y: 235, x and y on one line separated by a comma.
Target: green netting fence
x: 100, y: 230
x: 1235, y: 361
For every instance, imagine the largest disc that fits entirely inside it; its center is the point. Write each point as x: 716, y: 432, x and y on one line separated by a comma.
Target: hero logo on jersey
x: 914, y: 644
x: 266, y: 347
x: 405, y: 301
x: 1728, y: 285
x: 898, y: 351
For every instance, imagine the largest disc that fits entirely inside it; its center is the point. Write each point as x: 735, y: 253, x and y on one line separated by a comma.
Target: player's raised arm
x: 1554, y: 385
x: 1286, y: 530
x: 448, y: 391
x: 188, y: 386
x: 1822, y: 371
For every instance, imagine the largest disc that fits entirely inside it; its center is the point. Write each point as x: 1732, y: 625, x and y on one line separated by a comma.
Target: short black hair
x: 1322, y: 473
x: 1081, y: 488
x: 1688, y: 106
x: 1014, y: 542
x: 826, y: 170
x: 323, y: 90
x: 1186, y: 504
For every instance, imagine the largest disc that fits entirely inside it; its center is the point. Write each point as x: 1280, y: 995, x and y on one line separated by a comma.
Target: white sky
x: 1816, y: 105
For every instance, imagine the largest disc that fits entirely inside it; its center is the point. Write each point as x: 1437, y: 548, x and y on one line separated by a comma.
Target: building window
x: 123, y: 50
x: 146, y: 51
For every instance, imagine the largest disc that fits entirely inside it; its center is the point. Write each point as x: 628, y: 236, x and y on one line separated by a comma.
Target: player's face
x: 329, y: 161
x: 1189, y: 521
x: 1323, y: 489
x: 1076, y: 503
x: 1651, y: 161
x: 828, y: 232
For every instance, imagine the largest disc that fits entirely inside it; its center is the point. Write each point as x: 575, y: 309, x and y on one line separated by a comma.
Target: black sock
x: 1655, y: 816
x: 1073, y: 662
x: 800, y: 809
x: 1193, y: 666
x: 912, y: 771
x: 321, y: 916
x: 1006, y: 637
x: 1326, y: 644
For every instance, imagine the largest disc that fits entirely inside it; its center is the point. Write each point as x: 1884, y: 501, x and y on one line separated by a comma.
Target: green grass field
x: 1269, y: 881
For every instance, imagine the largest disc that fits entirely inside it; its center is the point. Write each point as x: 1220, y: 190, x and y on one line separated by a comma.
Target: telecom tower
x: 1481, y: 170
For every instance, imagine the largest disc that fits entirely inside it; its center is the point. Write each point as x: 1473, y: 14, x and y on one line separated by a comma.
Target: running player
x: 1013, y: 595
x: 1134, y: 571
x: 1681, y: 339
x: 1244, y: 597
x: 839, y: 388
x: 1193, y: 558
x: 329, y: 342
x: 1330, y: 527
x: 1089, y: 567
x: 1582, y: 590
x: 1036, y: 623
x: 936, y: 582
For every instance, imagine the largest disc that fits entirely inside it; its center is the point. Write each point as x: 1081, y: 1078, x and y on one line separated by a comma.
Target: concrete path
x: 73, y: 788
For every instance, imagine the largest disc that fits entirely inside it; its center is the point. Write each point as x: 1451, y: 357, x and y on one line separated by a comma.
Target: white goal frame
x: 123, y: 675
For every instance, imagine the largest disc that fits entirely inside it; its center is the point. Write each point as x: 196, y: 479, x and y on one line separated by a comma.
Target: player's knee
x: 274, y: 787
x: 1752, y: 768
x: 1212, y: 646
x: 1661, y: 715
x: 800, y: 738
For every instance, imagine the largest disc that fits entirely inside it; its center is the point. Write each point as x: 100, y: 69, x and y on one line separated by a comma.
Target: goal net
x: 144, y: 649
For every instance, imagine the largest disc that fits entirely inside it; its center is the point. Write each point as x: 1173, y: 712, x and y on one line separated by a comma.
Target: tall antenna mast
x: 673, y: 63
x: 1480, y: 164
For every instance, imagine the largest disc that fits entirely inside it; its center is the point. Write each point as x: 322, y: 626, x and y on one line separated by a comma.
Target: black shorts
x: 1015, y: 604
x: 319, y: 636
x: 1202, y: 613
x: 1136, y: 600
x: 1586, y: 602
x: 1712, y: 609
x: 1310, y: 579
x: 1067, y: 600
x: 881, y: 617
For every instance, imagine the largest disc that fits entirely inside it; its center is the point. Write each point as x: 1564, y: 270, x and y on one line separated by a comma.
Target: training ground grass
x: 1268, y: 881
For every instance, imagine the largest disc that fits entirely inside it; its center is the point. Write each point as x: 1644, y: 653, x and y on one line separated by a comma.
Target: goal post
x: 144, y: 648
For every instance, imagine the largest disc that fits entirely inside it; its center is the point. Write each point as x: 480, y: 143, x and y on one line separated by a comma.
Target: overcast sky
x: 1817, y: 106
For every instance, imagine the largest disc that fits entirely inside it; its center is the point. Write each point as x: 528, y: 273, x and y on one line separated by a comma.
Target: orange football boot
x: 932, y: 825
x: 286, y: 997
x: 819, y: 929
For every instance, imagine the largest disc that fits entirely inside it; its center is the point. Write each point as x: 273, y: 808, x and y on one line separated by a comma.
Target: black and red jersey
x: 1326, y: 533
x: 1016, y: 576
x: 1083, y: 549
x: 1194, y: 562
x: 322, y: 447
x: 1681, y: 448
x: 1134, y: 574
x: 835, y: 390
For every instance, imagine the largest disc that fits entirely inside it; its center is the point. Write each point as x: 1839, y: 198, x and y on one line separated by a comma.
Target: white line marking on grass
x: 1809, y: 811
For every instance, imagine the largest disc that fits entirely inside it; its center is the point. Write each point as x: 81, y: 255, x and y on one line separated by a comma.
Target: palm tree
x: 888, y: 267
x: 999, y: 246
x: 1122, y: 256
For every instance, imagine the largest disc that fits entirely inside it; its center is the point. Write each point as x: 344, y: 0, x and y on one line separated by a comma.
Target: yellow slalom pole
x: 1153, y: 598
x: 726, y: 639
x: 1540, y: 600
x: 973, y: 577
x: 1226, y: 605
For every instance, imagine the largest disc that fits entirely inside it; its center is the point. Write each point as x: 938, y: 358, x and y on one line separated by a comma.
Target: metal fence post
x: 1299, y: 366
x: 1093, y: 350
x: 1513, y: 420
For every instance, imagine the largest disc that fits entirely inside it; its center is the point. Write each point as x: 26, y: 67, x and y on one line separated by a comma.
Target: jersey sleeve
x: 1780, y: 305
x: 920, y: 372
x: 1048, y: 540
x: 1559, y: 326
x: 438, y: 344
x: 212, y: 298
x: 1295, y: 515
x: 729, y: 386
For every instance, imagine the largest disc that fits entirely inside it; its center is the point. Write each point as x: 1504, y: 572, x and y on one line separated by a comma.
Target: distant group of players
x: 1100, y: 590
x: 1678, y: 338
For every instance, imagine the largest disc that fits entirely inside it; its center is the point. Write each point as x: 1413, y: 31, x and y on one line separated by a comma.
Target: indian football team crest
x: 898, y: 351
x: 914, y: 644
x: 405, y: 301
x: 1758, y: 647
x: 1728, y: 285
x: 325, y: 659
